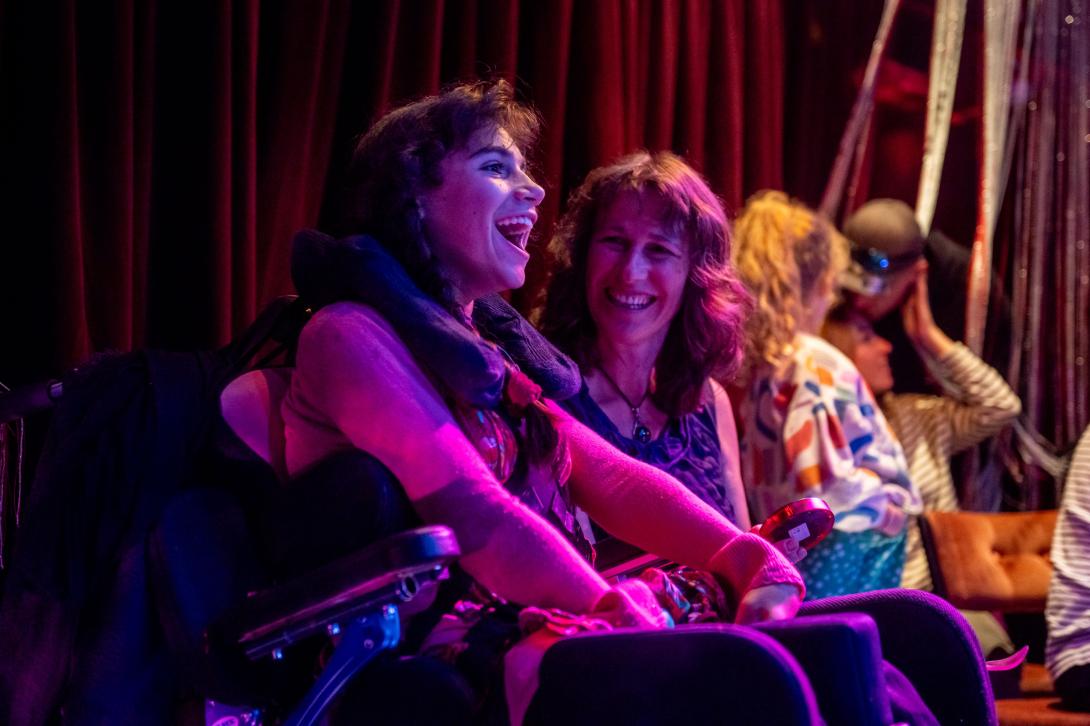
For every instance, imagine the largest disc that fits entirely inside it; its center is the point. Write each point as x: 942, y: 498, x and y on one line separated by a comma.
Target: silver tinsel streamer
x: 1049, y: 235
x: 942, y: 82
x: 854, y: 138
x: 1001, y: 20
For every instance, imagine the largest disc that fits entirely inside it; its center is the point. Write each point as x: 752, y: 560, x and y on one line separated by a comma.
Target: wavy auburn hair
x: 705, y: 336
x: 782, y: 252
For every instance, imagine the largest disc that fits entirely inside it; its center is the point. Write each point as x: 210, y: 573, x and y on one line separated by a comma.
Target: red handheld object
x: 807, y: 521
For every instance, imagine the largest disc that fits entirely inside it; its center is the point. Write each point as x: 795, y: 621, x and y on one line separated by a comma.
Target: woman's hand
x: 789, y: 548
x: 770, y: 602
x: 893, y: 520
x: 630, y: 604
x: 918, y: 321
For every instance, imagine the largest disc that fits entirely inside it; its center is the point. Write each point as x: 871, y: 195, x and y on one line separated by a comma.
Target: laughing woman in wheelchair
x: 415, y: 366
x: 441, y: 186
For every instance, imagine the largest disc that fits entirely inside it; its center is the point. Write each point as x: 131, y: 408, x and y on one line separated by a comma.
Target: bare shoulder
x: 724, y: 412
x: 718, y: 396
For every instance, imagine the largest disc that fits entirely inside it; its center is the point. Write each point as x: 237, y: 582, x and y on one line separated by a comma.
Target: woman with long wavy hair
x: 443, y: 189
x: 645, y: 301
x: 811, y: 426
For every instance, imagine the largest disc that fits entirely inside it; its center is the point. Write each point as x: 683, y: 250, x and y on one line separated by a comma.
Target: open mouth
x: 630, y: 301
x: 516, y: 230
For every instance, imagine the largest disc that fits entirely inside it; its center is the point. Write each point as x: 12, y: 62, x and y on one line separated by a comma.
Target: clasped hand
x: 769, y: 602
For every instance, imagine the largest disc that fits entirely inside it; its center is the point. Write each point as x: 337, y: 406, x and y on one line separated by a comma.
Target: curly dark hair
x: 705, y: 338
x: 400, y: 155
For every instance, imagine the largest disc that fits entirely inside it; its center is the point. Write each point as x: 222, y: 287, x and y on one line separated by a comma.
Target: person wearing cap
x: 889, y: 251
x: 977, y: 402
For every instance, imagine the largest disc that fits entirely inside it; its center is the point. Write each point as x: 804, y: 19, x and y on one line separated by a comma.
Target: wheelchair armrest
x: 695, y: 674
x: 949, y: 672
x: 842, y: 657
x: 393, y: 570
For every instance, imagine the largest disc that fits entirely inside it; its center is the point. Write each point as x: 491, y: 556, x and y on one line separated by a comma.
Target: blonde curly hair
x: 785, y: 254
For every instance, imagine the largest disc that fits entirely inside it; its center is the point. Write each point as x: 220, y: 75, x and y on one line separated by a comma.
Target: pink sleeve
x: 650, y: 509
x: 749, y: 561
x: 355, y: 371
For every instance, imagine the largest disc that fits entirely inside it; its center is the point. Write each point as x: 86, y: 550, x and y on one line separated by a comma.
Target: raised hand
x: 918, y: 321
x: 791, y: 549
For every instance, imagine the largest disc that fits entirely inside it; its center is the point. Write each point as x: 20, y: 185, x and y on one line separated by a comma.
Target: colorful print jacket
x: 814, y: 429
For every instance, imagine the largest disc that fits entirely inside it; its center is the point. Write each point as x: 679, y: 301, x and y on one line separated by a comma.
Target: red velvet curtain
x: 160, y: 155
x: 1043, y: 245
x: 608, y: 77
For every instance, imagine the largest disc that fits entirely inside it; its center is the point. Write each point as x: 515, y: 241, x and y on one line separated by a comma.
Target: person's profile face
x: 637, y: 267
x: 478, y: 220
x: 868, y: 350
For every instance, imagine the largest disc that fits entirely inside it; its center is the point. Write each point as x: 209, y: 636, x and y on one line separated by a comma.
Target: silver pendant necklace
x: 640, y: 431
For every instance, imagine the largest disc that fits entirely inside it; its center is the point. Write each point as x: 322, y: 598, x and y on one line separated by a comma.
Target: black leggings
x: 1073, y: 685
x: 418, y: 690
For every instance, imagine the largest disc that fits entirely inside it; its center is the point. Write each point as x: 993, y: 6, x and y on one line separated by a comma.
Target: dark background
x: 157, y: 156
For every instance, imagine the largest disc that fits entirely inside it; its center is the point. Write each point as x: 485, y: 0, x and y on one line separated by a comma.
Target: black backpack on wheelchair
x: 159, y: 555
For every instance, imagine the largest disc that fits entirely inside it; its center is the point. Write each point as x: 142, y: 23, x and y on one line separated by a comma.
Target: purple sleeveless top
x: 687, y: 449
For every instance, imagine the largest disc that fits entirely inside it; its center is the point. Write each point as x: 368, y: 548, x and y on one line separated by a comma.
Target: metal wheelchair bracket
x: 361, y: 640
x: 223, y: 714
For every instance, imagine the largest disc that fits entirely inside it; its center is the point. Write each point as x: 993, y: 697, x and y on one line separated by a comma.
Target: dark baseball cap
x: 885, y: 236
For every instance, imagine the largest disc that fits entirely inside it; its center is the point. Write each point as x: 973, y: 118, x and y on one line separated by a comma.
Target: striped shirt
x: 1068, y: 610
x: 978, y: 404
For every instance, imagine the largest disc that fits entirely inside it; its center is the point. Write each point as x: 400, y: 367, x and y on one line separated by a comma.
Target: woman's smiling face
x: 637, y: 266
x: 478, y: 220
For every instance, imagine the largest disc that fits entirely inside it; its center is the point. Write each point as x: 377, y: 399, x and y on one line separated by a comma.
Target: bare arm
x: 366, y: 383
x: 732, y: 465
